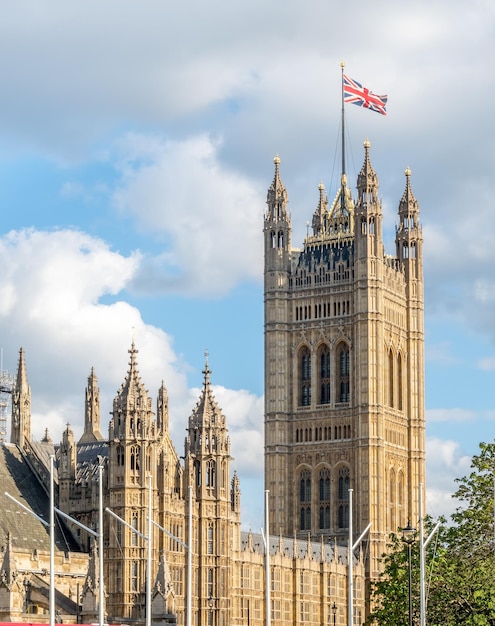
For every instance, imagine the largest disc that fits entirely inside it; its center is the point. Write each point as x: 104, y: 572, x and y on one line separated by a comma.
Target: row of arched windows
x: 319, y: 508
x: 323, y: 433
x: 342, y: 307
x: 134, y: 459
x: 324, y: 378
x: 277, y: 239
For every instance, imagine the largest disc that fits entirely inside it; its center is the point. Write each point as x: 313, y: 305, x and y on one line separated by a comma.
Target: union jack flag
x: 355, y: 93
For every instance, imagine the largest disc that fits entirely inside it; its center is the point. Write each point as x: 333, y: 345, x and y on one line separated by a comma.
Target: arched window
x: 305, y: 376
x: 343, y: 372
x: 210, y: 473
x: 344, y: 485
x: 391, y: 497
x: 305, y: 500
x: 324, y: 378
x: 197, y: 472
x: 135, y: 459
x: 390, y: 378
x: 324, y: 493
x: 120, y: 456
x: 399, y: 382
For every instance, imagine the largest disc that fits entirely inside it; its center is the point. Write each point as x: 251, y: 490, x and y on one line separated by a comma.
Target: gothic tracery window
x: 305, y: 376
x: 343, y: 373
x: 344, y: 485
x: 324, y: 378
x: 324, y: 499
x: 305, y: 500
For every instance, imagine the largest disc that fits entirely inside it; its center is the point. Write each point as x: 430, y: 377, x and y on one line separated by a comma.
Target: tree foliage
x: 460, y: 562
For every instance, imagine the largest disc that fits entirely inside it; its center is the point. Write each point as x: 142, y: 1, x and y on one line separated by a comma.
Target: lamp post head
x: 408, y: 533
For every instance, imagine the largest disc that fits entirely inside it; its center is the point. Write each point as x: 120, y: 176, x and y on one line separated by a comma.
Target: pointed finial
x: 367, y: 144
x: 407, y: 172
x: 207, y: 370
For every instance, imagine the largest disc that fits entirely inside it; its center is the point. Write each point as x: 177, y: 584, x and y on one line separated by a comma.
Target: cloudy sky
x: 136, y: 147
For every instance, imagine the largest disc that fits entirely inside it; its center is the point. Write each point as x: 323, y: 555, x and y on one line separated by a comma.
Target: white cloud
x: 181, y: 193
x: 450, y: 415
x: 55, y: 282
x: 444, y: 463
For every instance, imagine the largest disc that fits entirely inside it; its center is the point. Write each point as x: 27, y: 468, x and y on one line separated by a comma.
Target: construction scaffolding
x: 6, y: 387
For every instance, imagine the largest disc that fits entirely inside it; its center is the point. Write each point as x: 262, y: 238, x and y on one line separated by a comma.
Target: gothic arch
x: 342, y: 371
x: 343, y: 479
x: 304, y: 375
x: 304, y: 480
x: 323, y: 361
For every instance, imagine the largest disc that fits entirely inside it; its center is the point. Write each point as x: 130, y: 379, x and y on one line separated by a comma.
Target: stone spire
x: 409, y: 238
x: 277, y: 198
x: 21, y: 405
x: 162, y: 409
x: 132, y: 412
x: 92, y: 411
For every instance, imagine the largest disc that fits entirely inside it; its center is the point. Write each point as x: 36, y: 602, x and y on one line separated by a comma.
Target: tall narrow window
x: 399, y: 382
x: 324, y: 493
x: 134, y: 535
x: 210, y: 539
x: 134, y: 576
x: 305, y: 500
x: 391, y: 496
x: 343, y: 371
x: 344, y: 485
x: 305, y: 374
x: 210, y: 473
x: 390, y: 378
x: 324, y: 360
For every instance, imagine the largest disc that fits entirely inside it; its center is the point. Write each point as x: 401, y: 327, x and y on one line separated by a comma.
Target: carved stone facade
x: 344, y: 366
x: 308, y: 577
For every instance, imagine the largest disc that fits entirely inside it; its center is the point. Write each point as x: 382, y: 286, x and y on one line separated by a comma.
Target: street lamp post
x: 408, y: 534
x: 334, y: 611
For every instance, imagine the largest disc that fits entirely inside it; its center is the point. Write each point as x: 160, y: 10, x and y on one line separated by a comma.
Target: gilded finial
x: 407, y: 172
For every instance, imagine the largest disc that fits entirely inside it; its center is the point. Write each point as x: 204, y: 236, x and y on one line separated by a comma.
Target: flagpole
x: 342, y: 65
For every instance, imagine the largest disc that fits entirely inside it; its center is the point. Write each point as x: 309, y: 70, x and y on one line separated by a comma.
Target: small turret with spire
x: 409, y: 237
x: 368, y: 212
x: 21, y: 405
x: 208, y: 444
x: 92, y: 411
x: 132, y: 412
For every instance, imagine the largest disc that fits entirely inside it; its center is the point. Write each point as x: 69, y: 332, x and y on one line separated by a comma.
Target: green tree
x: 464, y: 591
x: 460, y: 562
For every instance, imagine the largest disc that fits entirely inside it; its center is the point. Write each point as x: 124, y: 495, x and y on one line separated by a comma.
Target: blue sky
x: 136, y: 149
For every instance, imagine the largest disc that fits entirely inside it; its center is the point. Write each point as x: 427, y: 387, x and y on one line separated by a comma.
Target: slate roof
x: 26, y: 531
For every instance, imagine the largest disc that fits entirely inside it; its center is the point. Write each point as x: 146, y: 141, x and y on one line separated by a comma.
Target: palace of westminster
x: 344, y: 449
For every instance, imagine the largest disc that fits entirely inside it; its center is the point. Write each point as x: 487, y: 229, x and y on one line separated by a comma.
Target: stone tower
x: 134, y: 445
x: 344, y: 370
x: 215, y: 504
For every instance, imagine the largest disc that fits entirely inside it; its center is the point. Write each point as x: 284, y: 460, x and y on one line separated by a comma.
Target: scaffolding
x: 6, y: 387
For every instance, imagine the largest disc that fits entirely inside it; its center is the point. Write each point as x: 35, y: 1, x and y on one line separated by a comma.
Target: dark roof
x: 25, y: 530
